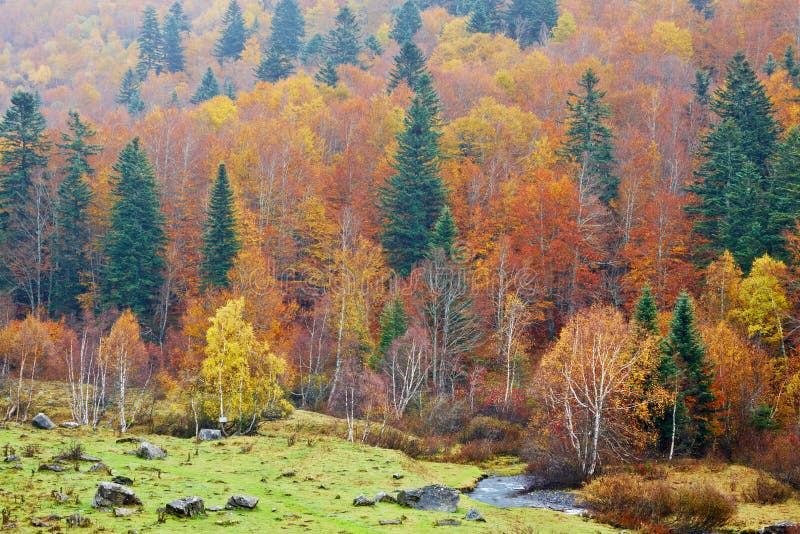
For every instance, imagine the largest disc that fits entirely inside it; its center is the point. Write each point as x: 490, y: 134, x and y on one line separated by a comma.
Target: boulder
x: 12, y: 458
x: 242, y: 501
x: 433, y: 498
x: 69, y: 424
x: 59, y: 497
x: 186, y: 507
x: 130, y: 440
x: 43, y: 422
x: 124, y: 512
x: 215, y: 508
x: 783, y: 527
x: 100, y: 466
x: 78, y: 520
x: 390, y: 522
x: 209, y: 434
x: 382, y: 496
x: 363, y: 500
x: 58, y: 468
x: 148, y: 451
x: 123, y: 480
x: 397, y: 476
x: 474, y: 515
x: 447, y: 523
x: 110, y: 495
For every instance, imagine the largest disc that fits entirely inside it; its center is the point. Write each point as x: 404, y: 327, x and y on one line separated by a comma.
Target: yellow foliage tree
x: 763, y: 306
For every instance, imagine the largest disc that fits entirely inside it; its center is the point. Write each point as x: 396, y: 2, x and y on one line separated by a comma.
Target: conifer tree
x: 413, y: 198
x: 407, y: 23
x: 445, y: 232
x: 230, y: 89
x: 230, y: 44
x: 274, y: 66
x: 394, y: 325
x: 151, y: 44
x: 589, y: 140
x: 343, y: 43
x: 221, y: 242
x: 208, y: 89
x: 313, y: 50
x: 702, y: 81
x: 327, y: 74
x: 770, y: 65
x: 409, y: 65
x: 135, y: 241
x: 784, y: 189
x: 790, y: 63
x: 176, y: 24
x: 685, y: 347
x: 72, y: 236
x: 129, y: 95
x: 529, y: 21
x: 373, y: 45
x: 484, y: 17
x: 288, y: 30
x: 744, y: 224
x: 645, y: 314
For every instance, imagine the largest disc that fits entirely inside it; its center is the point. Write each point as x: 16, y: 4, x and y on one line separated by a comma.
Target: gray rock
x: 390, y: 522
x: 434, y: 498
x: 474, y: 515
x: 397, y: 476
x: 382, y: 496
x: 78, y: 520
x: 209, y: 434
x: 242, y: 501
x: 12, y: 458
x: 148, y: 451
x: 215, y: 508
x: 123, y: 480
x: 43, y: 422
x: 447, y: 523
x: 58, y: 468
x: 130, y: 440
x: 124, y: 512
x: 363, y: 500
x: 186, y: 507
x: 100, y: 466
x: 783, y: 527
x: 69, y: 424
x: 59, y: 497
x: 110, y: 495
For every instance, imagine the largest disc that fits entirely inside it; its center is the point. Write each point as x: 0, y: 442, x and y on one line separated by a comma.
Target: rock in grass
x: 435, y: 498
x: 382, y: 496
x: 447, y: 523
x: 186, y: 507
x: 130, y: 440
x: 42, y: 422
x: 123, y: 480
x: 397, y: 476
x: 59, y: 497
x: 474, y: 515
x: 148, y: 451
x: 124, y: 512
x: 363, y: 500
x: 100, y: 466
x: 390, y: 522
x: 11, y: 458
x: 77, y: 520
x: 209, y: 434
x: 242, y: 501
x: 110, y: 495
x: 58, y: 468
x: 69, y: 424
x: 784, y: 527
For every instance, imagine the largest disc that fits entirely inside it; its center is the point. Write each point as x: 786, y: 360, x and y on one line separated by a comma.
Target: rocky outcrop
x: 148, y: 451
x: 209, y: 434
x: 186, y: 507
x: 110, y: 495
x: 43, y: 422
x: 784, y: 527
x: 363, y: 500
x: 434, y: 498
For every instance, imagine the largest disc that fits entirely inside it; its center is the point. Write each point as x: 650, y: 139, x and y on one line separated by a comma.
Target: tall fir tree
x: 374, y: 47
x: 413, y: 198
x: 407, y: 23
x: 288, y: 29
x: 343, y: 42
x: 409, y: 65
x: 645, y: 314
x: 72, y: 236
x: 135, y: 241
x: 208, y: 89
x: 784, y: 188
x: 743, y: 228
x: 313, y: 50
x: 485, y: 17
x: 589, y: 141
x: 151, y: 44
x: 327, y: 75
x: 790, y: 62
x: 230, y: 44
x: 394, y: 325
x: 695, y: 377
x: 445, y: 234
x: 129, y: 94
x: 770, y: 65
x: 529, y: 21
x: 744, y: 100
x: 274, y: 66
x: 221, y: 241
x: 176, y: 24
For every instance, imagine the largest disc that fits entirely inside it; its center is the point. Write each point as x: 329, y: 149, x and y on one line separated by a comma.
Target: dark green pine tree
x: 784, y: 188
x: 770, y: 65
x: 743, y: 228
x: 343, y: 43
x: 407, y: 23
x: 445, y: 234
x: 72, y: 235
x: 230, y: 89
x: 685, y: 346
x: 413, y: 198
x: 176, y: 24
x: 589, y: 140
x: 274, y: 66
x: 394, y: 325
x: 135, y: 241
x: 313, y: 50
x: 744, y: 100
x: 288, y: 29
x: 645, y: 314
x: 702, y: 6
x: 327, y: 74
x: 221, y: 242
x: 529, y: 21
x: 208, y: 89
x: 230, y: 44
x: 409, y: 65
x: 484, y: 17
x: 151, y: 44
x: 702, y: 82
x: 373, y: 45
x: 129, y: 95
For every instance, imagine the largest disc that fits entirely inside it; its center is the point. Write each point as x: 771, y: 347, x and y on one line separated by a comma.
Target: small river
x: 515, y: 492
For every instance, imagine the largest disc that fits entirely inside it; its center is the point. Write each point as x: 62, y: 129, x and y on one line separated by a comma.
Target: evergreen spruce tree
x: 394, y: 325
x: 589, y: 140
x: 702, y: 81
x: 373, y: 45
x: 343, y: 43
x: 413, y: 198
x: 230, y: 44
x: 327, y: 75
x: 744, y: 100
x: 129, y: 95
x: 274, y: 66
x: 409, y: 65
x: 230, y: 89
x: 645, y: 314
x: 313, y: 50
x: 288, y: 30
x: 770, y: 65
x: 72, y: 236
x: 135, y: 241
x: 221, y: 242
x: 784, y: 188
x: 151, y: 44
x: 209, y: 88
x: 529, y: 20
x: 445, y: 232
x: 702, y: 6
x: 176, y: 24
x: 484, y: 17
x: 684, y: 345
x: 407, y: 23
x: 744, y: 224
x: 790, y: 63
